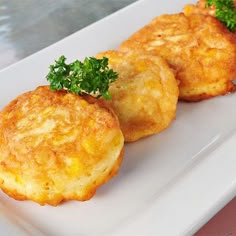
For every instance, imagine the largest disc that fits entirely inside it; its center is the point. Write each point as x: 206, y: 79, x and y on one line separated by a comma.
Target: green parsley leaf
x: 225, y: 12
x: 92, y: 76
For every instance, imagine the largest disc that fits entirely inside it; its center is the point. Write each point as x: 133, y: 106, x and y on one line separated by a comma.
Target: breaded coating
x: 57, y: 146
x: 144, y: 96
x: 198, y: 47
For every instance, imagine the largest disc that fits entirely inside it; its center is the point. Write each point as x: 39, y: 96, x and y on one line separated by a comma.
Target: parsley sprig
x: 92, y: 76
x: 225, y: 12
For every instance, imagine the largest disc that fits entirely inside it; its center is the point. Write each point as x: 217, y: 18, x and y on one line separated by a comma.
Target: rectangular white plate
x: 169, y: 184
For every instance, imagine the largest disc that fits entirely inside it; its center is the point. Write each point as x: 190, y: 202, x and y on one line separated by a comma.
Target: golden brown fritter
x: 145, y: 95
x: 57, y: 146
x: 198, y: 47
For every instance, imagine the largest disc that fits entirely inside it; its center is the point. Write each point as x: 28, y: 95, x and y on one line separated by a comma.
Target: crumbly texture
x: 145, y: 95
x: 200, y: 49
x: 57, y: 146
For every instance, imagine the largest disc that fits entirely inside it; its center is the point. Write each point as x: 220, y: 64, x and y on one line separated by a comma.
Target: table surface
x: 31, y: 25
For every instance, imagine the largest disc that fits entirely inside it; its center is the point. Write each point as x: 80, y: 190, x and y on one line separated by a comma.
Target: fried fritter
x: 57, y: 146
x: 145, y: 95
x: 198, y: 47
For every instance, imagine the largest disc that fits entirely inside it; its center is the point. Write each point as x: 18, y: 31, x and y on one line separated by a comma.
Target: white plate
x: 169, y: 184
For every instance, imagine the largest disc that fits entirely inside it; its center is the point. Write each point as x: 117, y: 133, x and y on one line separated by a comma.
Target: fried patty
x: 145, y: 95
x: 57, y: 146
x: 198, y: 47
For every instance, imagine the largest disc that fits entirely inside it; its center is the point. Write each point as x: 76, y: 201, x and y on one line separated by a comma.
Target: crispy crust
x: 56, y: 146
x: 198, y: 47
x: 145, y: 95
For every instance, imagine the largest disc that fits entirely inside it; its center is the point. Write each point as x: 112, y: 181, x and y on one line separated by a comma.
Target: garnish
x: 92, y: 76
x: 225, y: 12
